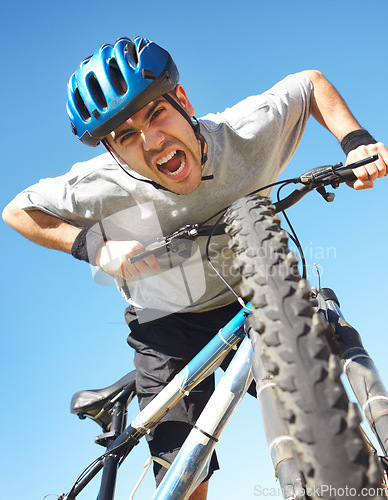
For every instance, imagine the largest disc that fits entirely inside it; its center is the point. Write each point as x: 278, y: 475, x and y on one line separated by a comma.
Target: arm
x: 331, y: 111
x: 41, y: 228
x: 52, y: 232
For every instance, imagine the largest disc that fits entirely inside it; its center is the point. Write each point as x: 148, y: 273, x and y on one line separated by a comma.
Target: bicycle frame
x: 201, y: 366
x: 190, y: 466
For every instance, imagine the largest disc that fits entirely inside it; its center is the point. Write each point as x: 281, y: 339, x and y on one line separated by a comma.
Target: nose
x: 152, y: 138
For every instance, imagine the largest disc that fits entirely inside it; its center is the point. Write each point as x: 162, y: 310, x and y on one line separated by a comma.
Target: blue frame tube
x: 202, y: 365
x: 190, y: 466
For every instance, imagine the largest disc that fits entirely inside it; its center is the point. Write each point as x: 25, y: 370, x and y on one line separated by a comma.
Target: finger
x: 361, y: 173
x: 149, y: 262
x: 152, y: 263
x: 382, y: 151
x: 360, y: 185
x: 382, y: 163
x: 134, y: 270
x: 141, y: 266
x: 381, y: 166
x: 129, y: 271
x: 372, y: 171
x: 368, y: 172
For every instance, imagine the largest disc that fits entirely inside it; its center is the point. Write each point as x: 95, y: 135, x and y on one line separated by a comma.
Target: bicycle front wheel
x: 332, y: 453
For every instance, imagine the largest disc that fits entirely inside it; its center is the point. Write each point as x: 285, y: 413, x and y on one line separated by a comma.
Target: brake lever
x: 166, y: 244
x: 319, y: 176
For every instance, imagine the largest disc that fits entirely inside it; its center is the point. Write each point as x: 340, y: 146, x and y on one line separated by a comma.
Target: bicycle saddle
x: 93, y: 403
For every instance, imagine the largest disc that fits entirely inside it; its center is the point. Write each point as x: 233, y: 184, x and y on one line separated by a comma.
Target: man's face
x: 158, y: 143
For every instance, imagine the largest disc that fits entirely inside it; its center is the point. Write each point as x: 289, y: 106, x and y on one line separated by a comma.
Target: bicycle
x: 293, y: 340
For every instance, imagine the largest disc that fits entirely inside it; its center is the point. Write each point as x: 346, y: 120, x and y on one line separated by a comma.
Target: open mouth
x: 172, y: 164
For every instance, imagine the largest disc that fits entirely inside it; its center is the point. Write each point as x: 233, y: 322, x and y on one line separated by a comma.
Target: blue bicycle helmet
x: 115, y: 83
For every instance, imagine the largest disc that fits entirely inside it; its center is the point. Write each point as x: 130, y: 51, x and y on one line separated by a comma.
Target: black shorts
x: 163, y: 347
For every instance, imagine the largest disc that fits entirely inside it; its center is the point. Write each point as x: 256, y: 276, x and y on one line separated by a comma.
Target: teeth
x: 165, y: 159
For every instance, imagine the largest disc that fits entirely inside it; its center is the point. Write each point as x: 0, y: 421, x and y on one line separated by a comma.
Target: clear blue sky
x: 62, y: 332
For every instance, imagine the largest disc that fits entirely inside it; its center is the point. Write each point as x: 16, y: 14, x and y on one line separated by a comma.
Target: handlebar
x: 320, y: 177
x: 315, y: 179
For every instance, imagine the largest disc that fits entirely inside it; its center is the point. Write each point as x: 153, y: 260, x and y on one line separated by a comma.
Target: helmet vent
x: 97, y: 92
x: 148, y: 74
x: 117, y: 79
x: 82, y: 109
x: 131, y: 51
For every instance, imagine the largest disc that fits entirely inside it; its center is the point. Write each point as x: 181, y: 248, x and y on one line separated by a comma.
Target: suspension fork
x: 358, y: 366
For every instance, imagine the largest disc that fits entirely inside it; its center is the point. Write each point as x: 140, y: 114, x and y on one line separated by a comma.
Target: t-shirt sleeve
x: 289, y: 101
x: 267, y: 128
x: 52, y: 195
x: 74, y: 197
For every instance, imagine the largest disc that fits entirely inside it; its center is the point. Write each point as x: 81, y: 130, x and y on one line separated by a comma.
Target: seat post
x: 108, y: 480
x: 118, y: 418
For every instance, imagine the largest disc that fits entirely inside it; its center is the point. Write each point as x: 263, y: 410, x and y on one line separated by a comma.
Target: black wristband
x: 360, y: 137
x: 87, y: 244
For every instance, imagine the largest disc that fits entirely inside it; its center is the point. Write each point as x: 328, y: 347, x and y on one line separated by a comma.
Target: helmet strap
x: 195, y: 126
x: 111, y: 152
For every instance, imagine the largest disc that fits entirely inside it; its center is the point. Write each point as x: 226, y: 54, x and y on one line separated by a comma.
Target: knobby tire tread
x: 322, y: 421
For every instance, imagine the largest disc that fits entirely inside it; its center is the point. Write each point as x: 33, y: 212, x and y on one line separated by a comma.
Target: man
x: 163, y: 171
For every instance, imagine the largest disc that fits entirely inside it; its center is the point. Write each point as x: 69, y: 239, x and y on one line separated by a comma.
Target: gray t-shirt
x: 249, y: 145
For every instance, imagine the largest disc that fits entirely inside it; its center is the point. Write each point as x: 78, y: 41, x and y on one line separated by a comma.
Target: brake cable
x: 294, y: 237
x: 222, y: 212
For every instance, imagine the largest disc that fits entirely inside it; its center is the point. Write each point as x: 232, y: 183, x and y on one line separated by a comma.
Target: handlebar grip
x: 157, y: 252
x: 138, y: 257
x: 346, y: 175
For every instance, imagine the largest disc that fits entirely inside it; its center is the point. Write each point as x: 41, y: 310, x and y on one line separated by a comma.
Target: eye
x: 157, y: 113
x: 127, y: 137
